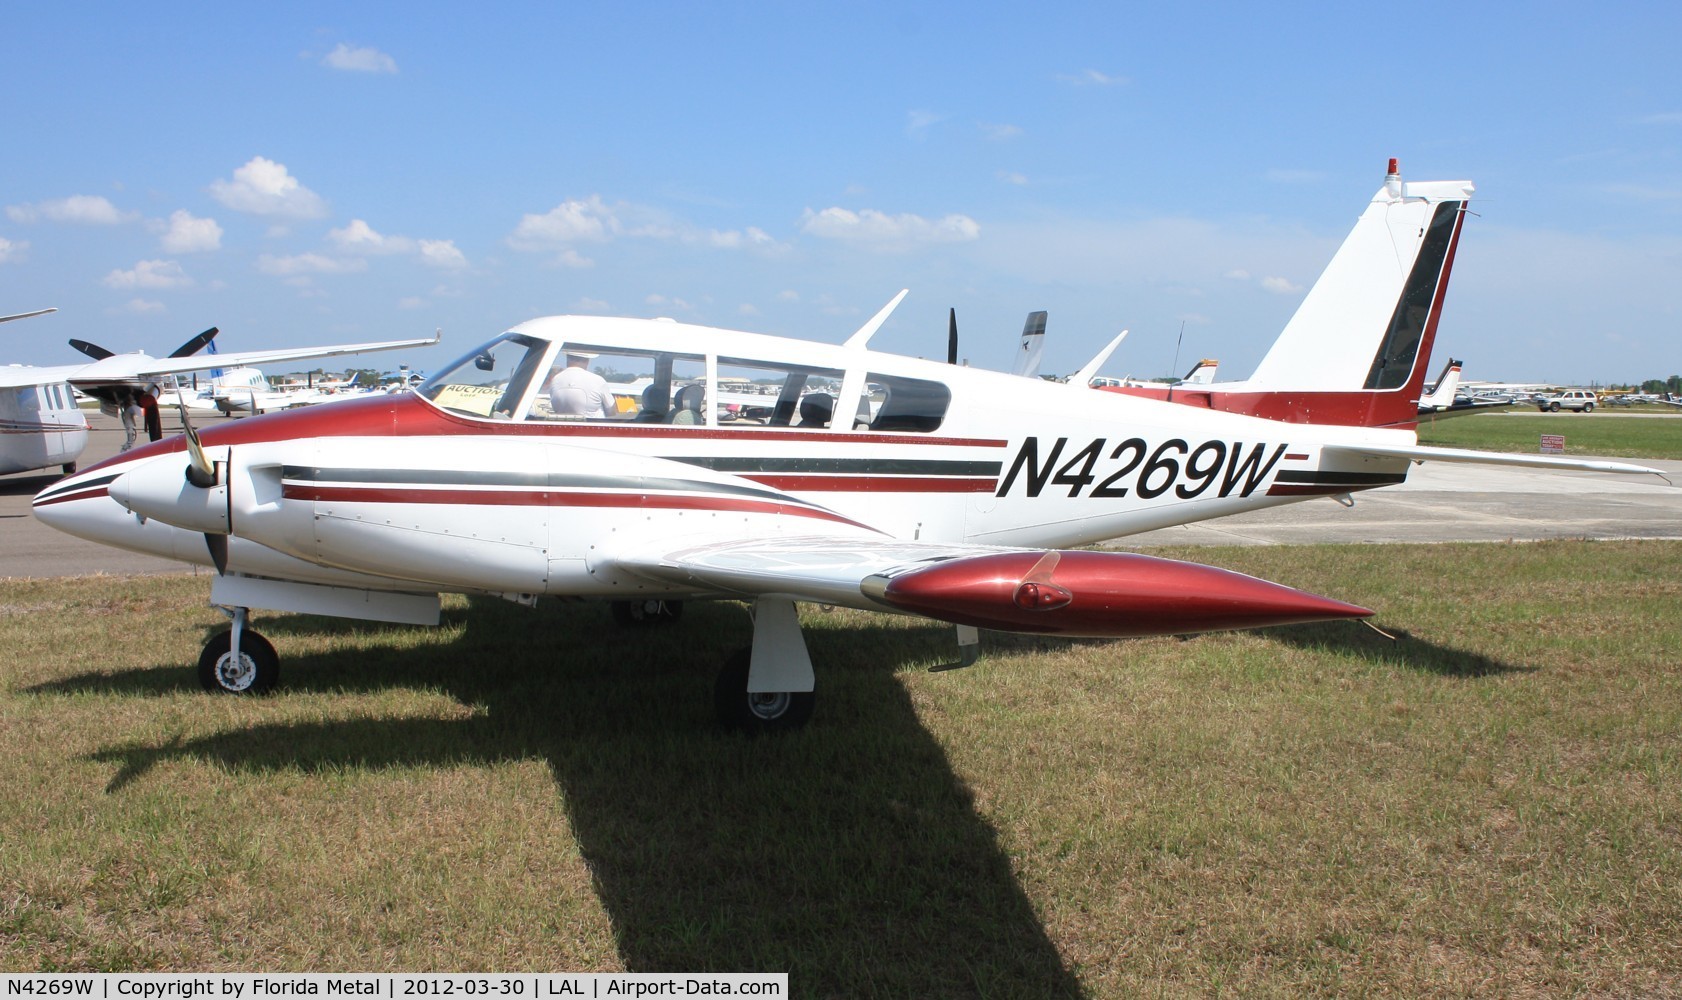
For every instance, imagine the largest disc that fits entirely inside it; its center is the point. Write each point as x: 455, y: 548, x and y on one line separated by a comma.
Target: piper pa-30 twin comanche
x: 866, y: 480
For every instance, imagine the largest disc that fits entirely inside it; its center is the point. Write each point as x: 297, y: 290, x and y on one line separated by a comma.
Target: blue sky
x: 314, y: 173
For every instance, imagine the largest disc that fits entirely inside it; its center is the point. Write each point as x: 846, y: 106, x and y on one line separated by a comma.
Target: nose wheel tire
x: 757, y: 712
x: 254, y: 671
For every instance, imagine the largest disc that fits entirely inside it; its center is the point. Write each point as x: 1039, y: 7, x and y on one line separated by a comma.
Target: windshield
x: 490, y: 381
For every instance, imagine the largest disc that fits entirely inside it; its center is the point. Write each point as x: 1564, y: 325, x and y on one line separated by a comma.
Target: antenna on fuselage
x: 862, y: 337
x: 1087, y: 371
x: 1176, y: 365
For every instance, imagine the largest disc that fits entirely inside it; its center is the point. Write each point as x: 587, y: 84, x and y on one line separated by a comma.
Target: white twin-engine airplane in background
x: 866, y: 480
x: 41, y: 424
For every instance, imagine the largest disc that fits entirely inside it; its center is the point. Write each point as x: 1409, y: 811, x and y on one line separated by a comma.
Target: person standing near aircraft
x: 148, y: 402
x: 577, y: 391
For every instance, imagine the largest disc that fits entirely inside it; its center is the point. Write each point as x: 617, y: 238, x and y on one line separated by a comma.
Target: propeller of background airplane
x: 188, y: 349
x: 952, y: 336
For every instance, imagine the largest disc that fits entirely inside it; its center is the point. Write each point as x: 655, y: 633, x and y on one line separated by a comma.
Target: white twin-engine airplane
x: 41, y: 424
x: 866, y: 480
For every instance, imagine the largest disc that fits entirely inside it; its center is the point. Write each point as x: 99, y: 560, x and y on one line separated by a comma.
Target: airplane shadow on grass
x: 849, y: 854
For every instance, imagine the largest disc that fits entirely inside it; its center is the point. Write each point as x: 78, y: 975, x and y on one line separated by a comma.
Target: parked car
x: 1580, y: 400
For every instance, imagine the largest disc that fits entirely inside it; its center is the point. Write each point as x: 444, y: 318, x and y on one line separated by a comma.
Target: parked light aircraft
x: 914, y: 487
x: 40, y: 424
x: 43, y: 426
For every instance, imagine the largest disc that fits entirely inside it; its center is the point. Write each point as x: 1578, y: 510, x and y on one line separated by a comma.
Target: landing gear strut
x: 768, y: 686
x: 757, y: 712
x: 253, y: 670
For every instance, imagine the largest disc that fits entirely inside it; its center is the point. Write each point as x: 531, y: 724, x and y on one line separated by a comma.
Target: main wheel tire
x: 1553, y: 407
x: 647, y: 612
x: 255, y: 671
x: 1588, y: 407
x: 769, y: 712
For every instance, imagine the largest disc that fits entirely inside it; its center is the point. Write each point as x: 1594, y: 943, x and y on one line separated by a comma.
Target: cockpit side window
x: 897, y: 404
x: 491, y: 380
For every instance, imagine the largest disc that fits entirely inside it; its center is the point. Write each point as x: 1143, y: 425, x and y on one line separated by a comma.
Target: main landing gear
x: 253, y: 670
x: 764, y: 688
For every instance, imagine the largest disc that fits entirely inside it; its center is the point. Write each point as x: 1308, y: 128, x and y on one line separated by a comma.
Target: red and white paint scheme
x: 849, y: 477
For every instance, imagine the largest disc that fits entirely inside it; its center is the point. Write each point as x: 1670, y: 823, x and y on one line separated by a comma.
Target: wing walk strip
x: 538, y: 489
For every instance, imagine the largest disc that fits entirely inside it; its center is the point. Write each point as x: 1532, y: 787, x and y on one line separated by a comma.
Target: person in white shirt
x: 579, y: 392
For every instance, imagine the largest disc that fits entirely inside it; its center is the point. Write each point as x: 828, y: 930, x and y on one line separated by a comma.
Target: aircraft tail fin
x: 1202, y: 373
x: 1441, y: 395
x: 1031, y: 346
x: 1366, y: 328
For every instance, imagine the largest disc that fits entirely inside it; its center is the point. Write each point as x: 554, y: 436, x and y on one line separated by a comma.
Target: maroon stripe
x: 67, y: 497
x: 539, y: 498
x: 875, y: 484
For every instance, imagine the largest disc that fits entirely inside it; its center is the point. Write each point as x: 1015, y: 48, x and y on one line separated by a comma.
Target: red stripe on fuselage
x: 873, y: 484
x: 544, y: 498
x: 67, y: 497
x: 407, y: 415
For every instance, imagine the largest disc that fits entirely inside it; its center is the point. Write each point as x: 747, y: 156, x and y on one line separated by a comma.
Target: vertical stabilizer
x: 1368, y: 324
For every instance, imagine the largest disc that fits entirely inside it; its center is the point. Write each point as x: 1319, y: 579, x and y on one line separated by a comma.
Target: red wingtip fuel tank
x: 1101, y: 594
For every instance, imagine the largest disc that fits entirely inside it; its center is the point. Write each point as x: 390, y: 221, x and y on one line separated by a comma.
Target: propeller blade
x: 193, y: 346
x: 202, y: 472
x: 218, y: 546
x: 952, y: 336
x: 93, y: 351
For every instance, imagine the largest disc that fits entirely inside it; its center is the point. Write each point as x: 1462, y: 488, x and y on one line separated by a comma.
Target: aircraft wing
x: 1061, y: 592
x: 128, y: 367
x: 1425, y: 453
x: 13, y: 376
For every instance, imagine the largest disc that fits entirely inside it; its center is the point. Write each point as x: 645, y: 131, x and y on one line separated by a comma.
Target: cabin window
x: 896, y: 404
x: 758, y: 394
x: 651, y: 387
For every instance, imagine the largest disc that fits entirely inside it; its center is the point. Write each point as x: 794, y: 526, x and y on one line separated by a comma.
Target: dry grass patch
x: 1489, y: 804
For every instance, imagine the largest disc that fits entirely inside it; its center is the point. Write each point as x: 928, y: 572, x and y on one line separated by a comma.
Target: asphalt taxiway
x: 1438, y: 503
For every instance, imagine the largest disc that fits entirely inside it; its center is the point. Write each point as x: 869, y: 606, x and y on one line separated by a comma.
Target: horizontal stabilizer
x: 1424, y: 453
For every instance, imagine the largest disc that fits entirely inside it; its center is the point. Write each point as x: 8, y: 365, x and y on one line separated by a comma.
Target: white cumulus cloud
x: 442, y: 253
x: 187, y: 233
x: 11, y: 250
x: 1280, y: 286
x: 83, y: 209
x: 309, y: 263
x: 359, y: 237
x: 879, y: 229
x: 572, y: 221
x: 149, y: 274
x: 264, y: 187
x: 359, y: 60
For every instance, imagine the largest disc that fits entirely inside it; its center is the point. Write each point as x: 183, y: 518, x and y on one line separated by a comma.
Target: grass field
x: 1609, y: 434
x: 1490, y: 805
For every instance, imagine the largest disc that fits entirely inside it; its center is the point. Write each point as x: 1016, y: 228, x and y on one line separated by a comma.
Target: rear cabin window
x: 896, y: 404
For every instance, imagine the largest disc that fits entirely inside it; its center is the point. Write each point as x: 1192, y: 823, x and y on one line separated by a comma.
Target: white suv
x: 1577, y: 399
